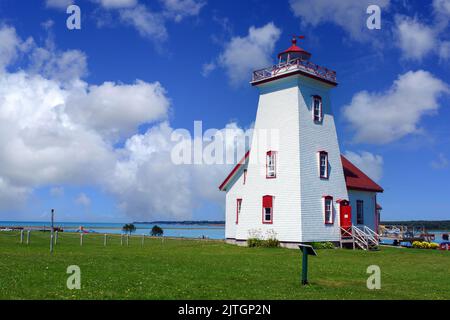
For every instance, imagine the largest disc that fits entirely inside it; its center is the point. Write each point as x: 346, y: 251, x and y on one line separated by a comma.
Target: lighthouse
x: 296, y: 185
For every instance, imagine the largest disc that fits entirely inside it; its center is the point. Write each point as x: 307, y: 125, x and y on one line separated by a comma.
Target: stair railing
x: 360, y: 237
x: 371, y: 235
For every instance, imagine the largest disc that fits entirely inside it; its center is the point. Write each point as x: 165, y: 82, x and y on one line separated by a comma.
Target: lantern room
x: 293, y: 52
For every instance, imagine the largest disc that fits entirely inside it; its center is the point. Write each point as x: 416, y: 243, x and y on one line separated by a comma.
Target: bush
x: 254, y: 242
x: 434, y: 245
x: 271, y: 243
x: 256, y: 239
x: 129, y: 228
x: 157, y: 231
x: 322, y: 245
x: 425, y: 245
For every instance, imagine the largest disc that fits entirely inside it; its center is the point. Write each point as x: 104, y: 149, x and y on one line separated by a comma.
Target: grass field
x: 194, y: 269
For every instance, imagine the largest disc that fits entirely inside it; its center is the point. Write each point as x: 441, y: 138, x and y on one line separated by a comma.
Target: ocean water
x: 170, y: 230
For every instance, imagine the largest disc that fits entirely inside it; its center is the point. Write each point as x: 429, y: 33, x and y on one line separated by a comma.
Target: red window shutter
x: 267, y: 201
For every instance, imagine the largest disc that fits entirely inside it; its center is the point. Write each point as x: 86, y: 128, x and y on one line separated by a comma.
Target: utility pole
x: 51, y: 232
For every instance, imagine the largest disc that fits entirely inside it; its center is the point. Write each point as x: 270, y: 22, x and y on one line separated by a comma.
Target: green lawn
x: 194, y: 269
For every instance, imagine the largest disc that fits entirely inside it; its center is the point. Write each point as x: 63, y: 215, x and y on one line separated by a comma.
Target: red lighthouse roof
x: 296, y: 50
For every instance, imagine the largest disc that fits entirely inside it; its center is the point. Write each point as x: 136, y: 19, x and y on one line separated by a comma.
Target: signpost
x: 306, y: 251
x: 51, y: 232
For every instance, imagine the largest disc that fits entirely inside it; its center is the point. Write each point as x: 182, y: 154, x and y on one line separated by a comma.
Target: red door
x: 346, y: 218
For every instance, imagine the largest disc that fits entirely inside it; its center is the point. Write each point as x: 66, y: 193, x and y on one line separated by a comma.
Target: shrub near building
x: 425, y: 245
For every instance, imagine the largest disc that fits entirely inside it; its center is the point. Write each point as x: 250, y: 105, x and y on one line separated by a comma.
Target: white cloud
x: 382, y: 117
x: 148, y: 184
x: 149, y: 24
x: 12, y: 197
x: 440, y: 163
x: 83, y: 200
x: 116, y: 4
x: 350, y: 15
x: 444, y: 50
x: 57, y: 191
x: 59, y: 4
x: 442, y: 11
x: 101, y: 108
x: 39, y: 143
x: 178, y: 9
x: 54, y: 134
x: 11, y: 46
x: 416, y: 40
x: 242, y: 55
x: 371, y: 164
x: 207, y: 68
x: 62, y: 66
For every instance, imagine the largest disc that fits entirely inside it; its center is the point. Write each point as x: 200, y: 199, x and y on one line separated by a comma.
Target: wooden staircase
x: 362, y: 238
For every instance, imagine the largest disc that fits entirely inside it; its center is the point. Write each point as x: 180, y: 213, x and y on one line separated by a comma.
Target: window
x: 267, y: 209
x: 317, y: 109
x: 359, y: 212
x: 328, y: 209
x: 271, y: 164
x: 238, y: 209
x: 323, y: 164
x: 245, y: 175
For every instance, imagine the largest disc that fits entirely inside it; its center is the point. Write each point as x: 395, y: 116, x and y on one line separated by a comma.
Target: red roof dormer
x: 294, y: 52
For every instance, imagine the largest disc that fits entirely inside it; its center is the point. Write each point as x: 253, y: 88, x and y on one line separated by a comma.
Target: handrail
x: 372, y: 235
x: 361, y: 236
x: 346, y: 232
x: 296, y: 64
x: 364, y: 237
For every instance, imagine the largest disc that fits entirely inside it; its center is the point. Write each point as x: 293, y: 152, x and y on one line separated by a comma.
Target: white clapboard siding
x: 315, y: 137
x: 369, y: 200
x: 277, y: 110
x: 284, y: 113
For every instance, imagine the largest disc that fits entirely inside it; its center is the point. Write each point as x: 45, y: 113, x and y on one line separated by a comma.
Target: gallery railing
x: 294, y: 65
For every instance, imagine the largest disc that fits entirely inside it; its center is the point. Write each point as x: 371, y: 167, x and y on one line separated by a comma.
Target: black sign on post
x: 306, y: 251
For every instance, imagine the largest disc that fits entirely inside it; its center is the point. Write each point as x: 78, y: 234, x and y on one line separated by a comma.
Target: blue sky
x: 187, y: 60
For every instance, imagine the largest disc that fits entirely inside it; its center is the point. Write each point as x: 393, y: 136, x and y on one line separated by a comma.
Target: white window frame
x: 328, y: 209
x: 238, y: 209
x: 325, y: 165
x: 320, y: 115
x: 271, y: 164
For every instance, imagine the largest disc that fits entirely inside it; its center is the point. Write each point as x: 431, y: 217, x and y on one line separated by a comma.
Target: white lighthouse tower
x: 294, y: 184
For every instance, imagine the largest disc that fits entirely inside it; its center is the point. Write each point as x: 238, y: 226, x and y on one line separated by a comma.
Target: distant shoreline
x: 202, y: 222
x: 427, y: 224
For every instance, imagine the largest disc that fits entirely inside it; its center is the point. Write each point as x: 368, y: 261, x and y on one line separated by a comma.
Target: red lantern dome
x: 294, y: 52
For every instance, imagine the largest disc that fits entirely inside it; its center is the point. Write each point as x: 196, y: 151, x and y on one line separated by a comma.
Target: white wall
x: 235, y: 192
x: 369, y: 199
x: 298, y: 204
x: 315, y: 137
x: 277, y: 109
